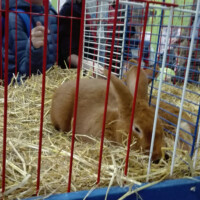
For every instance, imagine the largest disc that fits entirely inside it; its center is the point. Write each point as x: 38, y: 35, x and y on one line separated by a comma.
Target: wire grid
x: 99, y: 17
x: 98, y: 37
x: 98, y: 32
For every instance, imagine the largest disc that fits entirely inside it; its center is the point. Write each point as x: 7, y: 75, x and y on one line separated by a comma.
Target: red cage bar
x: 30, y: 41
x: 46, y: 4
x: 77, y: 92
x: 5, y: 97
x: 46, y: 9
x: 107, y: 91
x: 70, y: 44
x: 1, y: 64
x: 136, y: 88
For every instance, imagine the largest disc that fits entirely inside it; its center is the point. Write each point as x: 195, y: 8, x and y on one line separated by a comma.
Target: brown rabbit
x: 145, y: 78
x: 149, y: 73
x: 167, y: 112
x: 130, y: 80
x: 91, y: 108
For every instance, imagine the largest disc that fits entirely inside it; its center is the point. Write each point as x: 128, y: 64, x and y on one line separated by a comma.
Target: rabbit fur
x: 167, y: 112
x: 91, y: 108
x: 145, y: 77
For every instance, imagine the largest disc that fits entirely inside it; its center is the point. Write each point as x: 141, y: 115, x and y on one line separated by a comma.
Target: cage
x: 160, y: 39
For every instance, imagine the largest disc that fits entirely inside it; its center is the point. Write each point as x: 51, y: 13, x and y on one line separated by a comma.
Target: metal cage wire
x: 170, y: 41
x: 113, y: 32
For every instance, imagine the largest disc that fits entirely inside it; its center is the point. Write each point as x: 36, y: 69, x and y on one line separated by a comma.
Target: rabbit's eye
x: 137, y: 130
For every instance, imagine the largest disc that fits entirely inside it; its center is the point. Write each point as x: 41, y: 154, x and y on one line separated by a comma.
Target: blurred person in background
x: 25, y: 47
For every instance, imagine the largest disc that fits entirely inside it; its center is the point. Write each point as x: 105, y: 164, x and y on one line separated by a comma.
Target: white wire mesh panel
x: 177, y: 92
x: 99, y: 19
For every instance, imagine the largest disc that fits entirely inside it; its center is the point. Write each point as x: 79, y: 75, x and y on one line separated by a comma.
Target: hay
x: 173, y: 95
x: 22, y: 148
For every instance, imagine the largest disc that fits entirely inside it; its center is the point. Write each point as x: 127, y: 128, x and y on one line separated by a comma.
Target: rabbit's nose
x: 156, y: 158
x: 156, y: 161
x: 167, y: 157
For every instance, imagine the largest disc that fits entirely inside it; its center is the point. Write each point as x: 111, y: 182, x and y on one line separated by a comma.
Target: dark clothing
x: 64, y: 31
x: 23, y: 41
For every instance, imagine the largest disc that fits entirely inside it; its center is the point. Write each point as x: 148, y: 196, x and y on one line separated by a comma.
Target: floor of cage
x: 24, y: 104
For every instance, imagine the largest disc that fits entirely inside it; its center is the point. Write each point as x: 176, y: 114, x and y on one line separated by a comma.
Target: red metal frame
x: 46, y: 5
x: 46, y: 11
x: 129, y: 36
x: 70, y: 43
x: 58, y: 25
x: 30, y: 38
x: 136, y: 89
x: 159, y: 3
x: 5, y: 97
x: 1, y: 64
x: 77, y: 92
x: 195, y: 62
x: 16, y: 38
x: 107, y: 92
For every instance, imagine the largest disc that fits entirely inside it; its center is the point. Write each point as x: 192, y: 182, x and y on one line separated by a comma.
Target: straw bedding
x: 24, y: 103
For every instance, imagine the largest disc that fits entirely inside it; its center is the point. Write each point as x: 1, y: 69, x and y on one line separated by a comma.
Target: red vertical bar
x: 160, y: 39
x: 130, y: 31
x: 77, y: 91
x: 46, y: 10
x: 16, y: 13
x: 195, y: 57
x: 5, y: 96
x: 1, y: 64
x: 70, y: 42
x: 136, y: 87
x: 107, y: 90
x: 30, y: 37
x: 58, y: 25
x: 149, y: 53
x: 192, y: 22
x: 185, y: 64
x: 168, y: 54
x: 141, y: 22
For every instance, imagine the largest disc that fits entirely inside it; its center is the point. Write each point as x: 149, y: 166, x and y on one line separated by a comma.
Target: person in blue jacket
x: 37, y: 39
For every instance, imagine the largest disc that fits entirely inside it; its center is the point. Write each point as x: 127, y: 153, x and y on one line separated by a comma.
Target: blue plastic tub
x: 178, y: 189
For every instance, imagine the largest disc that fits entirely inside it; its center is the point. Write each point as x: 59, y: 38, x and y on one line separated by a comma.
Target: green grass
x: 54, y: 3
x: 179, y: 19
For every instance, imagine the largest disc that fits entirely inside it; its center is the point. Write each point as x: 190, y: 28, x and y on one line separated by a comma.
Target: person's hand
x: 37, y: 35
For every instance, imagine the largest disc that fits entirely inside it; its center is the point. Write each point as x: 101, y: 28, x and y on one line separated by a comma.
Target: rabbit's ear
x: 149, y: 72
x: 123, y: 96
x: 129, y: 64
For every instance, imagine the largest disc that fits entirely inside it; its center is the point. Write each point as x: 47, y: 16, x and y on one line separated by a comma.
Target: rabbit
x: 129, y: 79
x: 163, y: 114
x: 131, y: 75
x: 149, y: 72
x: 91, y: 108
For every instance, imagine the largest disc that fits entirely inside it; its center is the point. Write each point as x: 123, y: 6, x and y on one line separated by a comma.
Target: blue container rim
x: 177, y: 189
